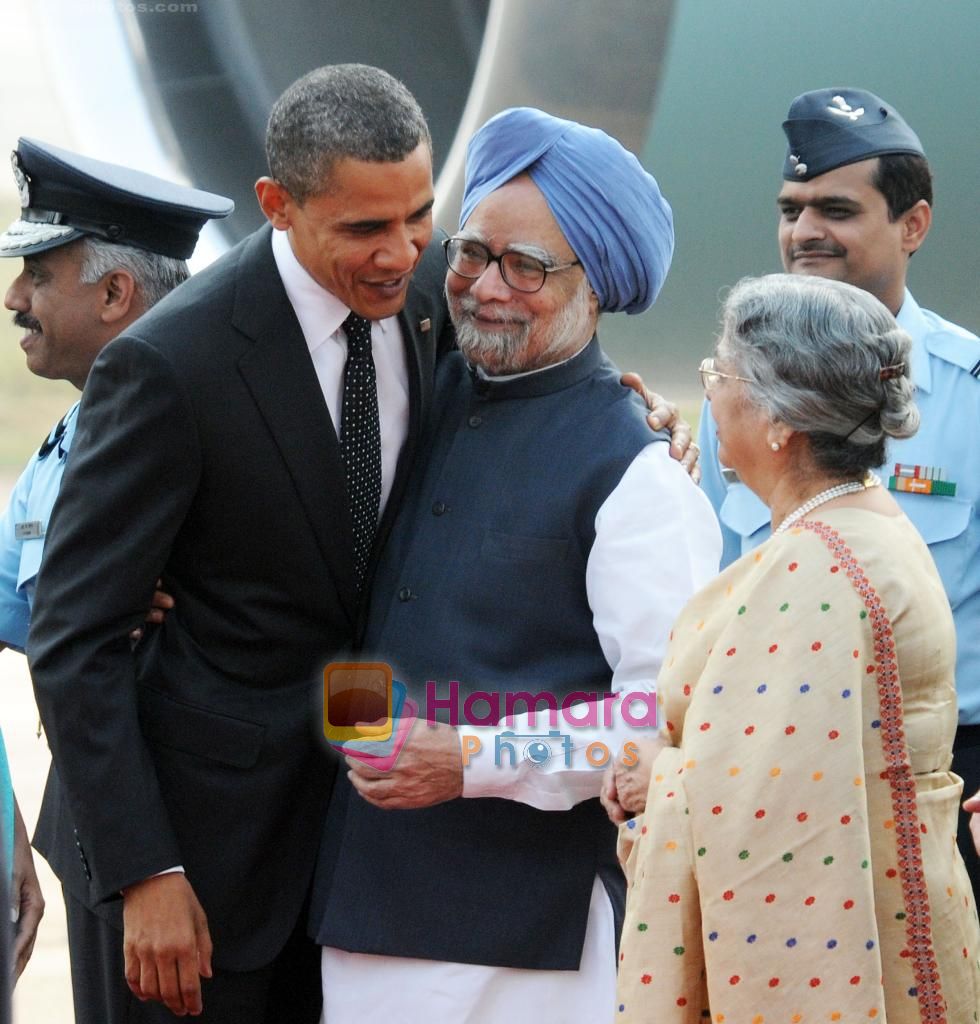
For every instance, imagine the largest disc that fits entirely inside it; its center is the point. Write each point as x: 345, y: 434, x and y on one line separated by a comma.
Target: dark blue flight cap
x: 64, y: 196
x: 828, y: 128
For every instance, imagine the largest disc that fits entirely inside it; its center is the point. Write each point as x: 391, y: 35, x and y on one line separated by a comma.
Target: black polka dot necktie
x: 360, y: 440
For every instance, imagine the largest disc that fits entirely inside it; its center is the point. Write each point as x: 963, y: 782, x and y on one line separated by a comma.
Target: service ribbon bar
x: 921, y: 480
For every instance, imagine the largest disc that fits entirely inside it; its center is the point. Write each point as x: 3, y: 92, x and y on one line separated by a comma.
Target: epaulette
x: 960, y: 349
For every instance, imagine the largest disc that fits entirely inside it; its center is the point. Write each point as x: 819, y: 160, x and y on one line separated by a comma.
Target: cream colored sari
x: 797, y: 859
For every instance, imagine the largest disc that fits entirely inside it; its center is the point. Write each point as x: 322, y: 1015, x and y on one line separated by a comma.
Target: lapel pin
x: 425, y: 325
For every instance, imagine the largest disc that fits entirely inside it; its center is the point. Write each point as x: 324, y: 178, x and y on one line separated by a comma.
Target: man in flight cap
x: 543, y: 552
x: 100, y: 245
x: 855, y: 205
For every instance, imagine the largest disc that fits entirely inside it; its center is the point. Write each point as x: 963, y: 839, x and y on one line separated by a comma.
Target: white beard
x: 506, y: 351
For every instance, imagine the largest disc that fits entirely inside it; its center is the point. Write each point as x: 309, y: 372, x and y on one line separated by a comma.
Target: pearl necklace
x: 871, y: 480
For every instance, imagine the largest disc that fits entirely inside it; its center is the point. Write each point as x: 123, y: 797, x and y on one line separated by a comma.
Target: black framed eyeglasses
x: 711, y: 378
x: 520, y: 271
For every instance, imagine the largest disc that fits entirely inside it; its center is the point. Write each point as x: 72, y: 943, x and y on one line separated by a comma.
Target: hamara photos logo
x: 368, y: 716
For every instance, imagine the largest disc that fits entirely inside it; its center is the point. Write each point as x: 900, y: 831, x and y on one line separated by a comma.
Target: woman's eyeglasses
x: 711, y: 378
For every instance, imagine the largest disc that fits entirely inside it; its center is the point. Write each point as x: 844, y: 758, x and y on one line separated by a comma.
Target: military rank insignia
x: 921, y: 480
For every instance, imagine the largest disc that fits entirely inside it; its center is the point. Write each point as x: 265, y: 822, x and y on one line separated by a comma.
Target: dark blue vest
x: 483, y: 582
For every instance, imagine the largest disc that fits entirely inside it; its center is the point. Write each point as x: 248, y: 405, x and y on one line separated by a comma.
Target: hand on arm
x: 166, y: 943
x: 429, y: 770
x: 26, y: 901
x: 161, y: 603
x: 665, y: 415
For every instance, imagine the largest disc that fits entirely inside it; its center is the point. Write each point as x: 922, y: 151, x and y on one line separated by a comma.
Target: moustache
x: 468, y: 306
x: 824, y: 248
x: 27, y: 322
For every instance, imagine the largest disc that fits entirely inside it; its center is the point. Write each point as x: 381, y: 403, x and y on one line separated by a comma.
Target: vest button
x: 475, y: 421
x: 406, y: 594
x: 440, y: 508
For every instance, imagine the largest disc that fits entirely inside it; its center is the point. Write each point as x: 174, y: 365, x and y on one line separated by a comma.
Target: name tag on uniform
x: 29, y: 531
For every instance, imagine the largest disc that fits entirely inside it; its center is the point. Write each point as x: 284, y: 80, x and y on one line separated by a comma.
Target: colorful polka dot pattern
x: 360, y: 440
x: 784, y: 869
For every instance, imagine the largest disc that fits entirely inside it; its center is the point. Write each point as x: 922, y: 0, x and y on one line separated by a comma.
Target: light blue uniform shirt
x: 23, y: 528
x: 22, y: 531
x: 945, y: 369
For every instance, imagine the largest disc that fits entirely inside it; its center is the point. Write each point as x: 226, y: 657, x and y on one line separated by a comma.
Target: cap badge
x: 841, y: 108
x: 798, y: 167
x: 23, y: 186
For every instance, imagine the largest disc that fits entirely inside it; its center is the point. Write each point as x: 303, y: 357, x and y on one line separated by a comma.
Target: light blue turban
x: 608, y: 207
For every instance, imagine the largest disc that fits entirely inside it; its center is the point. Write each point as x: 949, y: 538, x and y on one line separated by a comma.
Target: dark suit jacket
x: 205, y: 454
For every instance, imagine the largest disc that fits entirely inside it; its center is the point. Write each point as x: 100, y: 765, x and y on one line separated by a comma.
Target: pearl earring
x: 775, y: 446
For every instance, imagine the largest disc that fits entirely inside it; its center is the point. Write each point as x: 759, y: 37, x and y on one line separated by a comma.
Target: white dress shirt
x: 320, y: 316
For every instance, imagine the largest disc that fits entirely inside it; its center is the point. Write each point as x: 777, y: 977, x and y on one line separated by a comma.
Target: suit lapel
x: 418, y: 325
x: 279, y: 373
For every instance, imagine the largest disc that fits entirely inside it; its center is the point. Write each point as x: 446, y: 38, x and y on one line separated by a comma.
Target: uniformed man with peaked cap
x: 100, y: 244
x: 855, y: 204
x: 66, y: 196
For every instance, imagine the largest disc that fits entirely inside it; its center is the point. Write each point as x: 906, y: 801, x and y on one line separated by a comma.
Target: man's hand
x: 26, y: 901
x: 664, y: 414
x: 161, y: 604
x: 972, y: 807
x: 166, y: 943
x: 429, y: 770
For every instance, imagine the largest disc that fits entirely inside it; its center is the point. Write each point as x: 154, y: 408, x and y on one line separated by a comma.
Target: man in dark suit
x: 214, y: 450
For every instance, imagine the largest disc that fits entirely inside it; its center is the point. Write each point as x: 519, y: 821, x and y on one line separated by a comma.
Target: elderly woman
x: 796, y: 860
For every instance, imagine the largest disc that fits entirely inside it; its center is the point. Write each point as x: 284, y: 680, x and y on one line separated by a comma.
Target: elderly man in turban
x: 523, y: 604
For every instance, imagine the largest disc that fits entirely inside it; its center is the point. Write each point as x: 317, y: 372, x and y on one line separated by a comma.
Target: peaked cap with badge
x: 65, y: 196
x: 828, y: 128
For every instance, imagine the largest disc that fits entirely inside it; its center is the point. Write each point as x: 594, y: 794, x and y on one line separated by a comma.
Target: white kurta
x: 657, y: 542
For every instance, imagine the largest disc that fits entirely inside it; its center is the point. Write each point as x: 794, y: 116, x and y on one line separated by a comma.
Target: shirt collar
x: 911, y: 319
x: 320, y: 313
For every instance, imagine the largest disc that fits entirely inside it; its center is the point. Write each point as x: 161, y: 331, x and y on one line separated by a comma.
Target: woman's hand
x: 625, y: 784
